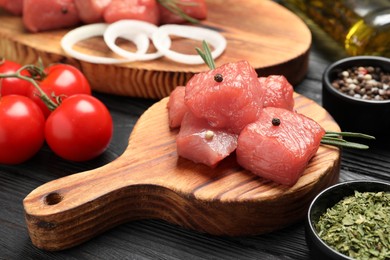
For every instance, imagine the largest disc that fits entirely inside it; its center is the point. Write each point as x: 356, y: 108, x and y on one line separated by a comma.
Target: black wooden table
x: 154, y: 239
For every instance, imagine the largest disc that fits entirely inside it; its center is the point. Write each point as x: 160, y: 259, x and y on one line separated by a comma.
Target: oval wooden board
x: 149, y: 181
x: 269, y: 36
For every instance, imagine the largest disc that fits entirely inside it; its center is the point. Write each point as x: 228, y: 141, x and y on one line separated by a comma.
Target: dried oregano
x: 358, y: 226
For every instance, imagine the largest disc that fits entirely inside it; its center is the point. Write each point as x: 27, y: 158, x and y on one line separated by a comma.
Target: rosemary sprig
x: 335, y: 138
x: 206, y: 55
x: 330, y: 137
x: 173, y: 6
x: 349, y: 134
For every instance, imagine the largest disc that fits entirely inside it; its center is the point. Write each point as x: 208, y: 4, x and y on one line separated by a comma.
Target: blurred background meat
x: 91, y: 11
x: 49, y: 14
x: 12, y: 6
x: 44, y: 15
x: 144, y: 10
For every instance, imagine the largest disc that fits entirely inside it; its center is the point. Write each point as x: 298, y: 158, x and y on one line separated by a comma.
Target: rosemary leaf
x: 335, y: 139
x: 202, y: 55
x: 205, y: 54
x: 343, y: 143
x: 173, y: 7
x: 335, y: 135
x: 350, y: 134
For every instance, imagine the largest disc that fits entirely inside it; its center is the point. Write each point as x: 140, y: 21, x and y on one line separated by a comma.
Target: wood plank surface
x: 149, y: 181
x: 270, y: 37
x: 157, y: 239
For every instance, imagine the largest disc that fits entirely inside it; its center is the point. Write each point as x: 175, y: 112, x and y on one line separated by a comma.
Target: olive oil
x: 362, y: 27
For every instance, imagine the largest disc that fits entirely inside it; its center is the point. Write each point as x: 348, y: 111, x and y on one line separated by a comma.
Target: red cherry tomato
x: 13, y: 86
x: 21, y: 129
x: 62, y: 81
x: 79, y: 129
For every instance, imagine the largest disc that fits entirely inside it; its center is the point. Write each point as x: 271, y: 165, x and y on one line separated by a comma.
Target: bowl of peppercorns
x: 356, y: 92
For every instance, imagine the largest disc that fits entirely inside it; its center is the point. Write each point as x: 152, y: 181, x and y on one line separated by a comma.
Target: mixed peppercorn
x: 370, y: 83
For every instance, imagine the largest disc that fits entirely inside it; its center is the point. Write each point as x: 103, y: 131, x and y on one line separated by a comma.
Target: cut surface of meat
x: 199, y: 142
x: 230, y: 103
x: 279, y: 152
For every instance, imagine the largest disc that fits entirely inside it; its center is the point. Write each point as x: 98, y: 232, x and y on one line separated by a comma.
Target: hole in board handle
x: 53, y: 198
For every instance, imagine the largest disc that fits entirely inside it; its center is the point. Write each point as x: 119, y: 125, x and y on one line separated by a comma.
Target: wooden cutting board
x: 149, y: 181
x: 270, y: 37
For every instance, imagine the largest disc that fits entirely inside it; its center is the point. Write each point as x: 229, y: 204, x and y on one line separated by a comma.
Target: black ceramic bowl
x: 327, y: 199
x: 356, y: 114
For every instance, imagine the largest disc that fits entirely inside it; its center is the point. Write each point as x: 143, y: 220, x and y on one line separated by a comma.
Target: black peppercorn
x: 218, y: 77
x: 64, y: 10
x: 275, y: 121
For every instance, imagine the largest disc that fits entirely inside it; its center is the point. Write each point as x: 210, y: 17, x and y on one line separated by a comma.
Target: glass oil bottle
x: 361, y: 27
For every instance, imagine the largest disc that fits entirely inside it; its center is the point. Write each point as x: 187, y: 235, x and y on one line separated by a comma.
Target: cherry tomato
x: 13, y: 86
x: 79, y: 129
x: 62, y: 81
x: 21, y: 129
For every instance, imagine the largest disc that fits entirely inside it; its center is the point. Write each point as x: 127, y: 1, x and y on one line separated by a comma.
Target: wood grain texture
x: 270, y: 37
x: 149, y: 181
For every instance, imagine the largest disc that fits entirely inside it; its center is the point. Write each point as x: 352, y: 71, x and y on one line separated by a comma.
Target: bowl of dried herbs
x: 350, y: 220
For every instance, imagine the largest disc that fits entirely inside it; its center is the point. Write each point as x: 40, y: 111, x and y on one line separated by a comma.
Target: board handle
x: 68, y: 211
x: 71, y: 210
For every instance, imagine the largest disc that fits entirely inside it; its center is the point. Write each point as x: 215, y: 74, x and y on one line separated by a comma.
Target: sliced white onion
x: 92, y: 30
x: 124, y: 27
x: 139, y: 32
x: 161, y: 37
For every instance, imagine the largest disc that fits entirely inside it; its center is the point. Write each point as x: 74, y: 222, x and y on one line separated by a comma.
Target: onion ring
x: 161, y: 39
x: 116, y: 30
x: 98, y: 29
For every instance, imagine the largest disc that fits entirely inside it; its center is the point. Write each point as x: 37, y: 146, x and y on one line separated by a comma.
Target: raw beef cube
x: 201, y: 143
x: 279, y: 152
x: 230, y: 103
x: 176, y: 107
x: 278, y: 92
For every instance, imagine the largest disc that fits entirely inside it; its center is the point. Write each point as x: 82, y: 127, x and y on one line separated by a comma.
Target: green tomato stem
x: 51, y: 105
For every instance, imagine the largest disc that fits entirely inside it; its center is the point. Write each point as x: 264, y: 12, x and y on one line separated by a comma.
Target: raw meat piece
x: 144, y: 10
x: 176, y: 107
x: 232, y: 103
x: 278, y: 92
x: 14, y: 7
x: 194, y: 8
x: 279, y: 152
x: 49, y: 14
x: 199, y: 142
x: 91, y: 11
